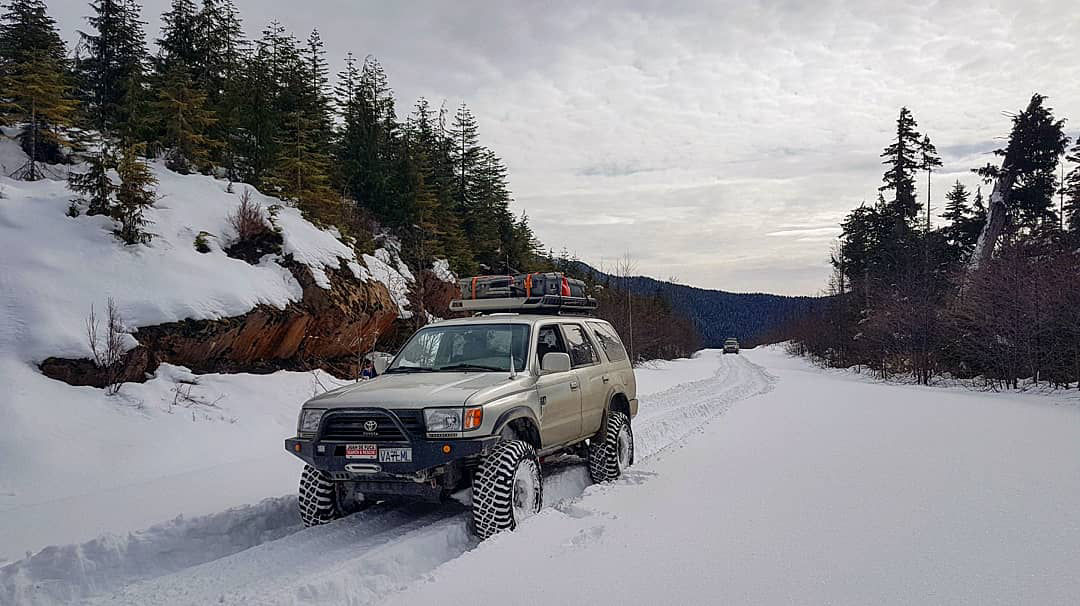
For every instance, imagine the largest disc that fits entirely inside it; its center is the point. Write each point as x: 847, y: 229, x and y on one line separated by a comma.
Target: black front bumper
x: 427, y: 454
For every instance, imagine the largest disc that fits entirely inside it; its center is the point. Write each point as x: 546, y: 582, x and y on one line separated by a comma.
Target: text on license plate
x: 395, y: 455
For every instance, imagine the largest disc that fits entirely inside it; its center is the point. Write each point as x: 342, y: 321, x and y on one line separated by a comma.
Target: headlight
x: 442, y: 419
x: 309, y: 420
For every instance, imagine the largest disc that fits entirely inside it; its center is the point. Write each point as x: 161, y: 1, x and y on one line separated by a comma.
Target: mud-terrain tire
x: 508, y: 487
x: 611, y: 451
x: 321, y: 500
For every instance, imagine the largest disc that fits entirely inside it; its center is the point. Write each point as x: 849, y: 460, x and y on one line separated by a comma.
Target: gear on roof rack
x: 548, y: 292
x: 547, y: 304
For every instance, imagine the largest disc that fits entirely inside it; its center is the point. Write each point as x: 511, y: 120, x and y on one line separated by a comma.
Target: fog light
x: 446, y: 448
x: 296, y: 447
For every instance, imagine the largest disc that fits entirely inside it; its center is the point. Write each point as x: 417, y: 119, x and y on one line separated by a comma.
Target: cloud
x: 687, y: 132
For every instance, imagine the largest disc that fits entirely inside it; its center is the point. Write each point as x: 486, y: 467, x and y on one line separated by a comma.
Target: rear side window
x: 582, y: 352
x: 609, y: 342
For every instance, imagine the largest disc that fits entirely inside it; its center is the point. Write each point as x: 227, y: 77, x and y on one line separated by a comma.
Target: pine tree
x: 26, y: 32
x: 265, y: 104
x: 182, y: 123
x: 34, y: 86
x: 1036, y: 144
x: 316, y: 99
x: 964, y: 225
x: 465, y: 156
x: 903, y: 157
x: 38, y: 96
x: 179, y: 42
x: 301, y: 171
x: 112, y: 74
x: 221, y: 46
x: 95, y: 188
x: 929, y: 160
x: 135, y: 193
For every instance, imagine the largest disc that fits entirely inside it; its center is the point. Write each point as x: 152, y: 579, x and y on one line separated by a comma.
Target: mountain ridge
x: 716, y: 314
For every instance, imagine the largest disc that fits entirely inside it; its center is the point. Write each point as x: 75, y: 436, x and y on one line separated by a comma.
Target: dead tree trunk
x: 995, y: 222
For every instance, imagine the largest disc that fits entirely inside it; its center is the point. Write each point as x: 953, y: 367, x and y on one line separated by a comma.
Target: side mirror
x: 381, y: 362
x: 555, y: 362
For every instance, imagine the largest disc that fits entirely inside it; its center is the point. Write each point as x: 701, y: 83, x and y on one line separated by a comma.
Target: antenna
x: 513, y: 366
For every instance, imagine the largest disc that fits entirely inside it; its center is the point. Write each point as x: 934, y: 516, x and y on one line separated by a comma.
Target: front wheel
x: 612, y: 450
x: 507, y: 488
x: 323, y: 500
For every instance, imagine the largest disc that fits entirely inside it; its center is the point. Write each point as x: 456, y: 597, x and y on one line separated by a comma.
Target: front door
x: 560, y: 393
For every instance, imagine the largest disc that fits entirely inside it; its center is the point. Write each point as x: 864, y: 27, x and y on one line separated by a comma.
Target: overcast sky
x: 718, y: 145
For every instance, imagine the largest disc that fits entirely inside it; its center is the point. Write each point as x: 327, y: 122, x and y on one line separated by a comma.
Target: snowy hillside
x: 118, y: 456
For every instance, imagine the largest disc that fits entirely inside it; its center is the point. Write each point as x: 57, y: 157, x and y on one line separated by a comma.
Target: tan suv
x: 472, y: 402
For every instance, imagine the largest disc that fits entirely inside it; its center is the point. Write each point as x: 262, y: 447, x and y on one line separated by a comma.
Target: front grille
x: 350, y: 426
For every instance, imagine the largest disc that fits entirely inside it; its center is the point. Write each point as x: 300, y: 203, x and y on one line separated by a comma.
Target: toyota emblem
x: 370, y: 425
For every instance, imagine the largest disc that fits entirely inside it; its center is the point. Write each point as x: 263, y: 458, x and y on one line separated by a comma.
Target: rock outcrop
x: 326, y: 329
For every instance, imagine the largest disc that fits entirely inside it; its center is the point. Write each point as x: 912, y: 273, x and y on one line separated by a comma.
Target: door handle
x: 573, y: 385
x: 607, y: 379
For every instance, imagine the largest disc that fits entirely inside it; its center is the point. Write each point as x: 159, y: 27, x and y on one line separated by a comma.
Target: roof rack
x: 547, y: 304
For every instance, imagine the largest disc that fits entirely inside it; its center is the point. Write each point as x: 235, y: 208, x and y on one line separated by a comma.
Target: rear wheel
x: 507, y: 488
x: 323, y: 500
x: 611, y: 451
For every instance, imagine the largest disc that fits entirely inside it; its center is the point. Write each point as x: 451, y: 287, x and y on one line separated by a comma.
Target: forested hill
x: 717, y: 314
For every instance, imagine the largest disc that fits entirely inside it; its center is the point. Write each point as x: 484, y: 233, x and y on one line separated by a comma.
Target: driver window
x: 549, y: 340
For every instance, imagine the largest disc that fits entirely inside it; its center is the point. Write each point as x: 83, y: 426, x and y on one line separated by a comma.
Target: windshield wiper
x: 404, y: 369
x: 468, y: 367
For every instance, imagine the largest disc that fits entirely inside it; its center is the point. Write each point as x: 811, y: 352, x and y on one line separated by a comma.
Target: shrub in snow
x: 247, y: 220
x: 202, y: 244
x: 108, y: 349
x: 255, y: 234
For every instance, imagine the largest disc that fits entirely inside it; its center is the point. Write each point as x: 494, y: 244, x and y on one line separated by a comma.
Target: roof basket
x: 547, y: 304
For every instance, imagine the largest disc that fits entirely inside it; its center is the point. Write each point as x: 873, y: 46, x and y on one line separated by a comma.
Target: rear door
x: 560, y: 392
x: 618, y: 369
x: 585, y: 361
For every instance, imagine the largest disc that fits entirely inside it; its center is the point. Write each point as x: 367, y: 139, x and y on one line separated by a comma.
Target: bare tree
x: 107, y: 350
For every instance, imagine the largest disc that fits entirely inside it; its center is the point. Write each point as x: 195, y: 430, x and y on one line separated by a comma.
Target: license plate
x: 361, y: 451
x: 395, y: 455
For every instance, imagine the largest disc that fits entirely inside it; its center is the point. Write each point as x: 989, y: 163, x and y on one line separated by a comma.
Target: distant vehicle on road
x: 731, y: 345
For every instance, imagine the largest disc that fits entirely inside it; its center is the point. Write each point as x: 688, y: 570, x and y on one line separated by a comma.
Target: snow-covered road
x: 260, y: 555
x: 824, y: 488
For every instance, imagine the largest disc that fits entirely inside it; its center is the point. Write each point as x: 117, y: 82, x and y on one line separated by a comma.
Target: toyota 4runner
x: 473, y: 402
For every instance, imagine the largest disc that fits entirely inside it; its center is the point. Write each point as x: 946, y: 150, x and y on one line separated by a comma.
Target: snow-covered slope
x: 74, y: 462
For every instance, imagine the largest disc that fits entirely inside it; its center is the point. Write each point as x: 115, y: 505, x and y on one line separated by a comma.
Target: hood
x: 417, y: 390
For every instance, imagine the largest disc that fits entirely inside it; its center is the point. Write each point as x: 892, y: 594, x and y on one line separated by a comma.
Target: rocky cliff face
x: 326, y: 329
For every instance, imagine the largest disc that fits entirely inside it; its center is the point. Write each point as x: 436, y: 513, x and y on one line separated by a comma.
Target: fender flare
x: 517, y: 412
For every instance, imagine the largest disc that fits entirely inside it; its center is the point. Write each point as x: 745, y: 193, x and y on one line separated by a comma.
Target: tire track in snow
x: 363, y: 558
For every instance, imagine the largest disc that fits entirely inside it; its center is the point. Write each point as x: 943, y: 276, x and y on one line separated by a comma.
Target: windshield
x: 464, y: 348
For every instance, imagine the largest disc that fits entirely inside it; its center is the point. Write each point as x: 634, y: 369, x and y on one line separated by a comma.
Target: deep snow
x: 380, y: 550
